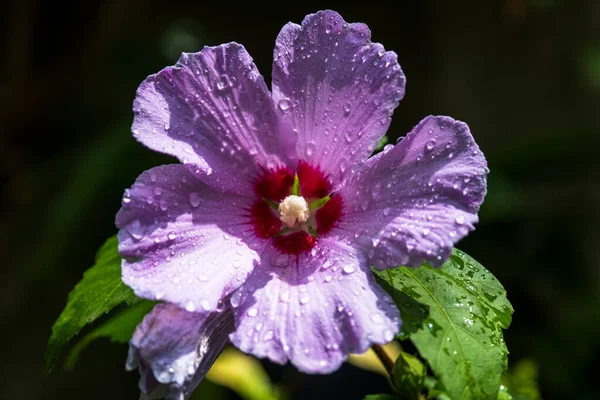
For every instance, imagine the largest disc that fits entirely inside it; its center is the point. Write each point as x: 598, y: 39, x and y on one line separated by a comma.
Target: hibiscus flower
x: 266, y: 232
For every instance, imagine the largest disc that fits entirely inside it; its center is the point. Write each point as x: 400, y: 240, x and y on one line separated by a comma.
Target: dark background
x: 524, y: 74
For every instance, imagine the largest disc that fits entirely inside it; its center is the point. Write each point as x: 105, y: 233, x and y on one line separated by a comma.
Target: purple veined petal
x: 414, y: 201
x: 214, y: 111
x: 313, y: 310
x: 174, y: 349
x: 182, y: 241
x: 337, y: 88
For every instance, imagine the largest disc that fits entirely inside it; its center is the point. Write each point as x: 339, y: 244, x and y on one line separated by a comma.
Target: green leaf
x: 408, y: 376
x: 461, y: 311
x: 118, y: 329
x: 100, y: 290
x: 382, y: 397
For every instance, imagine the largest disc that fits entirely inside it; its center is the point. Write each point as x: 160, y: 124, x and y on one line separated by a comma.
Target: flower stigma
x: 293, y: 210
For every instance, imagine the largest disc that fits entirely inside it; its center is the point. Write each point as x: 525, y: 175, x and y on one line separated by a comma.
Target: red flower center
x: 274, y: 186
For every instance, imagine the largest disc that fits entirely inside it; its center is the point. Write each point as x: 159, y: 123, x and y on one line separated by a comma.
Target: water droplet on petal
x: 349, y: 269
x: 284, y: 105
x: 190, y: 306
x: 205, y: 305
x: 377, y: 318
x: 223, y: 82
x: 346, y: 109
x: 252, y: 312
x: 136, y: 229
x: 376, y: 191
x: 310, y: 148
x: 194, y: 199
x: 388, y: 335
x: 430, y: 144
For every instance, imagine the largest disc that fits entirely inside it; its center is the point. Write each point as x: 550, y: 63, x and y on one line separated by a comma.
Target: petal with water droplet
x: 174, y: 349
x: 312, y: 316
x: 197, y: 252
x: 326, y: 68
x: 413, y: 200
x: 214, y: 111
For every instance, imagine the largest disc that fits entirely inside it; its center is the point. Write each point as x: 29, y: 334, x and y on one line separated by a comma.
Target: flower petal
x: 414, y: 201
x: 182, y: 241
x: 214, y: 110
x: 313, y: 309
x: 337, y: 88
x: 174, y: 349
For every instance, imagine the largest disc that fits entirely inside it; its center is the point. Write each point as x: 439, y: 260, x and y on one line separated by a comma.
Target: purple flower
x: 270, y: 225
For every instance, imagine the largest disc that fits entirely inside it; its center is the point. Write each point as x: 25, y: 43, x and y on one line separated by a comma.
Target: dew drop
x: 388, y: 335
x: 205, y: 305
x: 252, y: 312
x: 269, y: 336
x: 310, y: 148
x: 377, y: 318
x: 190, y: 306
x: 376, y: 191
x: 349, y: 136
x: 284, y: 105
x: 194, y: 199
x: 136, y: 229
x: 347, y: 109
x: 348, y: 269
x: 236, y: 299
x: 430, y: 144
x: 223, y: 82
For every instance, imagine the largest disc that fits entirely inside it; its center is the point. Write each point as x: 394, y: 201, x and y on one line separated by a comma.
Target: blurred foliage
x: 521, y: 380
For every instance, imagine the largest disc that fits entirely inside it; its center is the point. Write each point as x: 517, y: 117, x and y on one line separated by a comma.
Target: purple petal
x: 312, y: 310
x: 184, y: 242
x: 174, y: 349
x: 337, y: 88
x: 214, y: 110
x: 414, y: 201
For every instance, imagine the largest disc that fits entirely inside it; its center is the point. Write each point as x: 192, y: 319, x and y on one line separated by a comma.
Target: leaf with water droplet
x: 468, y: 358
x: 100, y: 290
